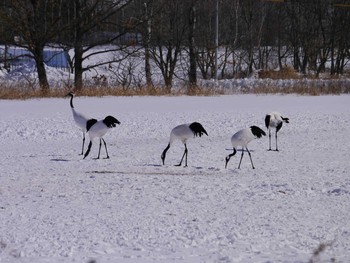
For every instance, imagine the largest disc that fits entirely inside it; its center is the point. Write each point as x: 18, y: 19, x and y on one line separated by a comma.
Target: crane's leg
x: 99, y: 149
x: 276, y: 142
x: 250, y: 157
x: 82, y: 149
x: 269, y: 140
x: 107, y: 157
x: 241, y: 158
x: 185, y: 153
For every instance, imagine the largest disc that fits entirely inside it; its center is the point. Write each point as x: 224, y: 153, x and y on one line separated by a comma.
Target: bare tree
x: 340, y: 44
x: 92, y: 23
x: 167, y: 38
x: 252, y: 34
x: 205, y: 47
x: 34, y: 24
x: 253, y: 15
x: 192, y: 17
x: 146, y: 41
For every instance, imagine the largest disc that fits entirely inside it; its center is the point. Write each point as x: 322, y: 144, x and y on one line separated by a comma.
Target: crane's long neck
x: 228, y: 157
x: 164, y: 153
x: 71, y: 102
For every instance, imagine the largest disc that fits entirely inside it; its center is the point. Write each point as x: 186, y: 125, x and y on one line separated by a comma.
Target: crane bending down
x: 184, y: 132
x: 242, y: 138
x: 79, y: 119
x: 99, y: 129
x: 274, y: 120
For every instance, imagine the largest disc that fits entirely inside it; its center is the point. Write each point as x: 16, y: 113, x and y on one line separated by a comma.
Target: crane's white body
x: 275, y: 119
x: 184, y: 132
x: 242, y: 138
x: 98, y: 130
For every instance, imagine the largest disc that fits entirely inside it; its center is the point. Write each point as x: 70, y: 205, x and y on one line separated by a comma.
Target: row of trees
x: 253, y: 34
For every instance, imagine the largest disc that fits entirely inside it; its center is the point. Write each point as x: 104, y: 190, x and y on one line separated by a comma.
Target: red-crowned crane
x: 99, y: 129
x: 274, y: 120
x: 184, y: 132
x: 242, y: 138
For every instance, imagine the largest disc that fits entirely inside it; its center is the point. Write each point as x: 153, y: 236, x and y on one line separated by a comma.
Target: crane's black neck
x: 90, y: 123
x: 71, y: 102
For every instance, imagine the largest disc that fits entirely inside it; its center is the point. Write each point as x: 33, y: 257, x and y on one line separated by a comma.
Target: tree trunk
x: 78, y: 67
x: 296, y: 63
x: 168, y: 83
x: 39, y: 60
x: 192, y: 74
x: 148, y: 68
x: 147, y: 51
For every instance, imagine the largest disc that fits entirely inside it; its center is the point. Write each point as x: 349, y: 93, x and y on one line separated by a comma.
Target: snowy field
x: 56, y: 207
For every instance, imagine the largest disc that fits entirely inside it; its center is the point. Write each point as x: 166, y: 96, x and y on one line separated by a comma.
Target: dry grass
x: 300, y: 85
x: 314, y: 87
x: 20, y: 92
x: 307, y: 87
x: 284, y: 73
x: 23, y: 93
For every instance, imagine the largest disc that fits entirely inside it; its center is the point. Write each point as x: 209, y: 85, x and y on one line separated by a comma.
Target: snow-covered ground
x: 57, y: 207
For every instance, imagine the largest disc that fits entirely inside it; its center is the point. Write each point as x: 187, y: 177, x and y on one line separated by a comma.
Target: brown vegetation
x: 18, y: 92
x: 285, y: 81
x: 284, y: 73
x: 306, y: 87
x: 313, y: 87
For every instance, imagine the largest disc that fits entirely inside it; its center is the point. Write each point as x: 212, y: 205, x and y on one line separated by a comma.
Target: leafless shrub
x: 284, y: 73
x: 100, y: 80
x: 312, y: 87
x: 124, y: 75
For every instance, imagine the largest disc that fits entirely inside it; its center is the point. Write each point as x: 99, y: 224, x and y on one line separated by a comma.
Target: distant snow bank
x: 246, y: 85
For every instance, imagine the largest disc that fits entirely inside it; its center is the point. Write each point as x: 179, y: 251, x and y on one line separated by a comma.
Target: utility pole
x: 216, y: 38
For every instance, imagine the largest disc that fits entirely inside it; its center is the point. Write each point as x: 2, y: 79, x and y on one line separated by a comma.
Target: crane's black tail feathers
x: 110, y: 121
x: 90, y: 123
x: 267, y: 120
x: 257, y: 131
x: 197, y: 129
